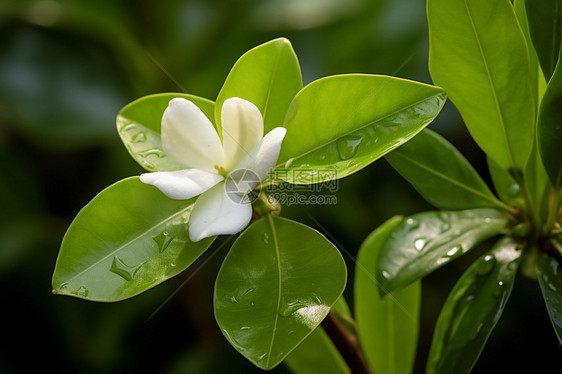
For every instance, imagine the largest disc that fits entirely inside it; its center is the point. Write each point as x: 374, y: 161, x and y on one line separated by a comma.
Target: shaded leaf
x: 129, y: 238
x: 473, y: 308
x: 387, y: 326
x: 440, y: 173
x: 505, y: 185
x: 550, y: 280
x: 426, y: 241
x: 276, y: 285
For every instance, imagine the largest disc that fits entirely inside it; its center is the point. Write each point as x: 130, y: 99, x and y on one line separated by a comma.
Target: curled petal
x: 242, y: 129
x: 189, y: 137
x: 263, y: 157
x: 216, y: 213
x: 182, y: 184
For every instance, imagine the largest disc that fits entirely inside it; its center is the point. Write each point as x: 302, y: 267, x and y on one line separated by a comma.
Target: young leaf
x: 473, y: 308
x: 550, y: 280
x: 139, y: 123
x: 269, y: 76
x: 440, y: 173
x: 505, y: 185
x: 550, y: 128
x: 426, y: 241
x: 479, y: 56
x: 129, y: 238
x: 545, y: 27
x: 387, y: 327
x: 276, y: 285
x: 345, y: 122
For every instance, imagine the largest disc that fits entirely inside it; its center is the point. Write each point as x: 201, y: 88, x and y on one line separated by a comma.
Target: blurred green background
x: 67, y: 67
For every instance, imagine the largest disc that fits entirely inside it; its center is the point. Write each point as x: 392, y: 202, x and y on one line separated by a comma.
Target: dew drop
x: 476, y: 331
x: 148, y: 165
x: 412, y: 224
x: 386, y: 274
x: 455, y: 251
x: 348, y: 145
x: 486, y: 265
x: 420, y: 243
x: 163, y: 240
x: 152, y: 152
x: 139, y: 137
x: 233, y: 299
x: 81, y: 291
x: 244, y: 328
x: 552, y: 287
x: 289, y: 162
x: 63, y: 285
x: 123, y: 270
x: 514, y: 190
x: 290, y: 308
x: 265, y: 238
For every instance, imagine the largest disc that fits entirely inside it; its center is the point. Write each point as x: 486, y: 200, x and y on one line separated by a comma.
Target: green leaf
x: 550, y: 280
x: 387, y: 327
x: 441, y: 174
x: 316, y: 354
x: 139, y: 125
x: 129, y: 238
x: 342, y: 123
x: 473, y: 308
x: 545, y: 27
x: 479, y: 56
x: 549, y: 129
x: 276, y: 285
x: 505, y: 185
x: 426, y: 241
x: 269, y: 76
x: 535, y: 70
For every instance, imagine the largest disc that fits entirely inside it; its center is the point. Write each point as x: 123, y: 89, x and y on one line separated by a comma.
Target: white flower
x: 190, y: 138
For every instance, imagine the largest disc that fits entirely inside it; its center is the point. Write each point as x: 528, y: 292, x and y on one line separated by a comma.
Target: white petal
x: 182, y: 184
x: 262, y: 159
x: 242, y: 129
x: 189, y: 137
x: 215, y: 213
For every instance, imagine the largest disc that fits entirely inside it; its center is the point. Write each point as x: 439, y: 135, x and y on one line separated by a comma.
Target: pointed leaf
x: 545, y: 26
x: 276, y: 285
x: 387, y: 327
x: 345, y: 122
x: 550, y: 127
x: 440, y: 173
x: 473, y: 308
x: 550, y: 280
x: 139, y: 125
x: 479, y: 56
x: 269, y: 76
x: 426, y: 241
x: 129, y: 238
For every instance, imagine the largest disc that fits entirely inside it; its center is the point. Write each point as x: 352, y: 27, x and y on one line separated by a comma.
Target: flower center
x: 220, y: 170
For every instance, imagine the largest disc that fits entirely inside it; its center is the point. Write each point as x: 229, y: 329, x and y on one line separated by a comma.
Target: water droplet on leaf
x: 139, y: 137
x: 486, y: 265
x: 265, y: 238
x: 348, y: 145
x: 420, y: 243
x: 163, y: 240
x: 123, y: 270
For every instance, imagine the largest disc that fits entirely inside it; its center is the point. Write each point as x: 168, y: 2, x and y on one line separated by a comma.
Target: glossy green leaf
x: 316, y: 354
x: 545, y: 26
x: 479, y: 56
x: 473, y: 308
x: 549, y: 129
x: 426, y: 241
x: 534, y: 68
x: 276, y: 285
x: 505, y: 185
x: 387, y: 327
x: 129, y: 238
x: 550, y: 280
x: 269, y: 76
x: 139, y: 125
x: 340, y: 124
x: 440, y: 173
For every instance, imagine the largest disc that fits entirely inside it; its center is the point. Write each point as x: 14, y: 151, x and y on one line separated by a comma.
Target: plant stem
x: 347, y: 344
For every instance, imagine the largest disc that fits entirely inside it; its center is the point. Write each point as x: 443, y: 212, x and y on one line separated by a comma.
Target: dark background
x: 67, y: 67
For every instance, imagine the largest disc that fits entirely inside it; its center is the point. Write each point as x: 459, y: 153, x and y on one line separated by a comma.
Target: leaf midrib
x: 128, y: 243
x: 332, y: 140
x: 278, y: 258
